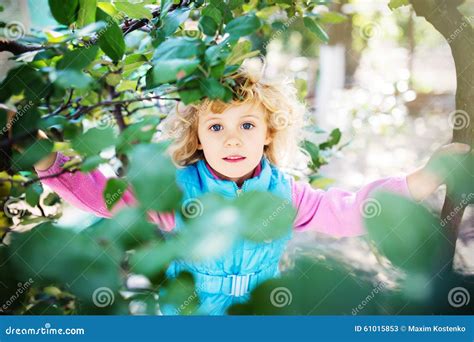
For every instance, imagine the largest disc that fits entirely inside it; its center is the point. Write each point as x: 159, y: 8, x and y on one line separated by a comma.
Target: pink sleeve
x: 337, y: 212
x: 85, y: 191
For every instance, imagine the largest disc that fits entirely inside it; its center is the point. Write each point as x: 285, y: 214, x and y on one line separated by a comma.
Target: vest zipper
x: 238, y: 192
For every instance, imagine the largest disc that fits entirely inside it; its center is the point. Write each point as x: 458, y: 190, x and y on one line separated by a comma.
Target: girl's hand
x: 425, y: 180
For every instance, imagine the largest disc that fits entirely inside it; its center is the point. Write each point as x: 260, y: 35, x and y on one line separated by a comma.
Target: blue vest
x: 230, y: 278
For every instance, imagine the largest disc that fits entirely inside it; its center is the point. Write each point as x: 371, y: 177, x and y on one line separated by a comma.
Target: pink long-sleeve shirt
x: 334, y: 212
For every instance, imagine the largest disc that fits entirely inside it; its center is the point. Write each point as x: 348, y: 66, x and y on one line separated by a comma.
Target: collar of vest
x: 229, y: 188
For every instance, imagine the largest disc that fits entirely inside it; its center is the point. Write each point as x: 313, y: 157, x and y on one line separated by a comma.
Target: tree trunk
x: 458, y: 32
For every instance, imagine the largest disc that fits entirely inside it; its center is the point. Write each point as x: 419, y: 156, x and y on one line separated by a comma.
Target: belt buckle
x: 240, y: 284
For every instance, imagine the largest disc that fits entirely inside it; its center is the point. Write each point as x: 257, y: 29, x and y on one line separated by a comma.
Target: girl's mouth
x: 234, y: 159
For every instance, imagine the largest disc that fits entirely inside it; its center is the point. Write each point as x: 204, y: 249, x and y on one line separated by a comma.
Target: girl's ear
x: 268, y: 139
x: 199, y: 145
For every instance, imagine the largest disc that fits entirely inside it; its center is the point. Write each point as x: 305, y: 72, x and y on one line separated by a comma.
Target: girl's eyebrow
x: 251, y: 116
x: 216, y: 117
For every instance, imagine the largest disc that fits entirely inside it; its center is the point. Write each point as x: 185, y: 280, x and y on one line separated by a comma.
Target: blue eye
x: 216, y: 127
x: 248, y: 125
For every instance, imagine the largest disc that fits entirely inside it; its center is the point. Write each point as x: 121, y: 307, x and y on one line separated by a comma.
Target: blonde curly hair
x: 284, y: 115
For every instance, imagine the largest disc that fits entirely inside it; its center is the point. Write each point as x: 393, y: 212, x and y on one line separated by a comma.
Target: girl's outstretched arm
x: 341, y: 213
x: 85, y: 191
x: 337, y: 212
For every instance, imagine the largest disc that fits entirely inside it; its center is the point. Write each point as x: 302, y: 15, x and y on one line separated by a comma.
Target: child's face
x: 233, y: 140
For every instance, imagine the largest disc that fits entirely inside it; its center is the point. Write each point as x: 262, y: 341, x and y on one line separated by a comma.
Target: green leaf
x: 172, y: 21
x: 51, y: 199
x: 165, y: 71
x: 91, y: 163
x: 240, y: 52
x: 265, y: 216
x: 33, y: 193
x: 24, y: 79
x: 26, y: 120
x: 86, y: 15
x: 218, y: 53
x: 35, y: 152
x: 191, y: 95
x: 71, y: 78
x: 111, y: 40
x: 224, y: 10
x: 394, y: 4
x: 212, y: 227
x: 208, y: 25
x: 314, y: 27
x: 132, y: 63
x: 94, y: 140
x: 64, y: 11
x: 135, y: 11
x: 334, y: 139
x: 457, y: 172
x: 327, y: 288
x: 70, y: 259
x: 128, y: 229
x: 77, y: 59
x: 152, y: 175
x: 109, y: 9
x: 406, y: 232
x: 139, y: 132
x: 302, y: 88
x: 113, y: 192
x: 333, y: 17
x: 162, y: 253
x: 165, y: 7
x: 243, y: 26
x: 125, y: 85
x: 179, y: 295
x: 179, y: 48
x: 212, y: 12
x: 212, y: 88
x: 313, y: 151
x: 217, y: 71
x: 233, y: 4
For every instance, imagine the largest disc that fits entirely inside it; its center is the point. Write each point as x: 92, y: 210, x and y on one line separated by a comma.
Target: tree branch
x: 127, y: 27
x: 37, y: 179
x: 458, y: 32
x: 17, y: 48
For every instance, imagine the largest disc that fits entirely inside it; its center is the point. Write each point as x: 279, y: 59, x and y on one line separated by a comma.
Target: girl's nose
x: 233, y: 141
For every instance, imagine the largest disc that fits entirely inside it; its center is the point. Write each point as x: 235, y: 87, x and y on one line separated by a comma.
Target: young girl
x: 230, y: 148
